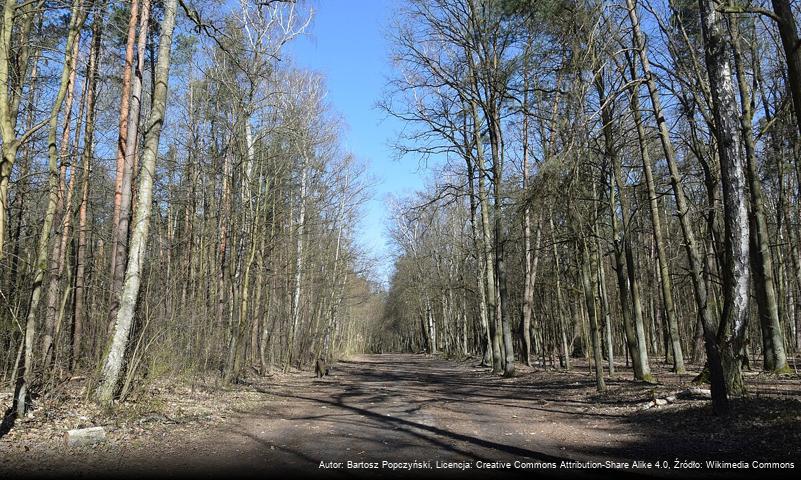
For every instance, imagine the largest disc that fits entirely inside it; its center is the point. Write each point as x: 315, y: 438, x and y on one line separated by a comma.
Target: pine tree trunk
x: 88, y: 152
x: 112, y: 363
x: 121, y: 233
x: 122, y: 137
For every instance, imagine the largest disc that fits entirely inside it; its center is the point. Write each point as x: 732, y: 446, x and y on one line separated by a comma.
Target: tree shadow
x: 762, y: 428
x: 8, y: 421
x: 757, y: 429
x: 368, y: 423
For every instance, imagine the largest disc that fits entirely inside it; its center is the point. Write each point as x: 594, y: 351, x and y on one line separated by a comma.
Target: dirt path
x: 407, y: 408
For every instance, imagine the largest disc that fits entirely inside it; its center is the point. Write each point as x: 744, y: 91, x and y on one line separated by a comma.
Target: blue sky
x: 346, y: 43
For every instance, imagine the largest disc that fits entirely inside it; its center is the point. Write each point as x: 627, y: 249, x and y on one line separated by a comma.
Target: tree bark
x: 88, y: 152
x: 24, y: 377
x: 122, y: 137
x: 737, y: 273
x: 112, y: 363
x: 774, y: 356
x: 121, y: 232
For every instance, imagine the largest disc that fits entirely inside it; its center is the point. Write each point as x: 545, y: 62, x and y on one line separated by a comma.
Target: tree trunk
x: 664, y: 272
x: 478, y: 246
x: 623, y: 286
x: 719, y: 397
x: 736, y: 275
x: 607, y: 318
x: 774, y: 357
x: 122, y: 137
x: 489, y: 268
x: 493, y: 118
x: 628, y: 281
x: 589, y: 298
x: 121, y: 233
x: 24, y: 377
x: 790, y: 43
x: 112, y: 364
x: 88, y: 152
x: 57, y: 255
x: 298, y: 276
x: 9, y: 94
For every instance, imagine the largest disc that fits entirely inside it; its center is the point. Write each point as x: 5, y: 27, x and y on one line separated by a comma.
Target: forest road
x: 406, y: 408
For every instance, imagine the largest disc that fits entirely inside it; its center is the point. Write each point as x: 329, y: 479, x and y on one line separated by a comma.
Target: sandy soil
x: 414, y: 408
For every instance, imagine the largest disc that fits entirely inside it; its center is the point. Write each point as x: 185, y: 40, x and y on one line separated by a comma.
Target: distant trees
x: 561, y: 93
x: 466, y: 81
x: 204, y: 233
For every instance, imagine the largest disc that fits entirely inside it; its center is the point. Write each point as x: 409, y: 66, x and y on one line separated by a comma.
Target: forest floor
x: 406, y: 408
